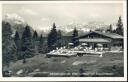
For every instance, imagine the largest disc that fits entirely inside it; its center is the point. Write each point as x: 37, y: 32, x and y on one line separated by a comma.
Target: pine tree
x: 35, y: 41
x: 27, y: 45
x: 16, y: 38
x: 35, y: 36
x: 119, y: 29
x: 52, y: 38
x: 18, y: 44
x: 8, y: 44
x: 41, y: 39
x: 42, y: 45
x: 59, y: 39
x: 110, y: 29
x: 75, y: 39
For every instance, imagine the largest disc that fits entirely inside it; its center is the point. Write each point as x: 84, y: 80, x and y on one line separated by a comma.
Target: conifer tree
x: 119, y: 29
x: 41, y: 40
x: 42, y: 45
x: 75, y: 39
x: 110, y: 28
x: 35, y: 41
x: 16, y: 38
x: 52, y: 38
x: 59, y: 39
x: 18, y: 44
x: 27, y: 47
x: 35, y: 36
x: 8, y: 44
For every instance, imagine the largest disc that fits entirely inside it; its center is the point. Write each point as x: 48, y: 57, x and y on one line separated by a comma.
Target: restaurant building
x: 108, y: 40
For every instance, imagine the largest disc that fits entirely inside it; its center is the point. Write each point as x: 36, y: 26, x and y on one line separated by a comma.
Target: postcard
x: 63, y: 40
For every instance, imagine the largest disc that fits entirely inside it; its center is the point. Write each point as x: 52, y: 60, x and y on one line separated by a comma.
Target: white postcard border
x: 67, y: 78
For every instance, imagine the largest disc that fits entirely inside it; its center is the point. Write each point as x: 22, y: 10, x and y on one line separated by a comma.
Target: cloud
x: 14, y: 17
x: 27, y: 11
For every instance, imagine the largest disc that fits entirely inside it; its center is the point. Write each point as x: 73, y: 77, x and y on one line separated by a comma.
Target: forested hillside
x: 21, y: 41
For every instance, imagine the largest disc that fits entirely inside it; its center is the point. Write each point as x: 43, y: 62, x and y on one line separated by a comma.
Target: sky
x: 43, y: 15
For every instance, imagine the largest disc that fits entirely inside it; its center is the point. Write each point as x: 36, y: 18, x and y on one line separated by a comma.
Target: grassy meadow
x: 111, y: 64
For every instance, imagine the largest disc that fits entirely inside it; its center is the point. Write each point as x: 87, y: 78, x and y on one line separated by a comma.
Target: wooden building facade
x: 106, y: 40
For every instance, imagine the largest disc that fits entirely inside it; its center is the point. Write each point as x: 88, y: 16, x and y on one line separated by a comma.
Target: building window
x: 91, y: 36
x: 105, y: 45
x: 119, y: 44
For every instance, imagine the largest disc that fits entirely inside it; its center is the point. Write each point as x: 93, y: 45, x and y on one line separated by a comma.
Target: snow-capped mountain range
x: 14, y: 19
x: 18, y: 23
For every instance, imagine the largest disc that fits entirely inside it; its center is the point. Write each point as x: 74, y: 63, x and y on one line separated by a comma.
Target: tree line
x: 119, y: 29
x: 29, y: 44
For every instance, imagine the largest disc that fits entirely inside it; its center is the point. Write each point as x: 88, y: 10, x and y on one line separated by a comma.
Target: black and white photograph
x: 63, y: 39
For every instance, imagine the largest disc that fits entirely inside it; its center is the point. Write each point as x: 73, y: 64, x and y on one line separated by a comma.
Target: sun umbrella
x: 70, y: 43
x: 99, y: 45
x: 84, y: 44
